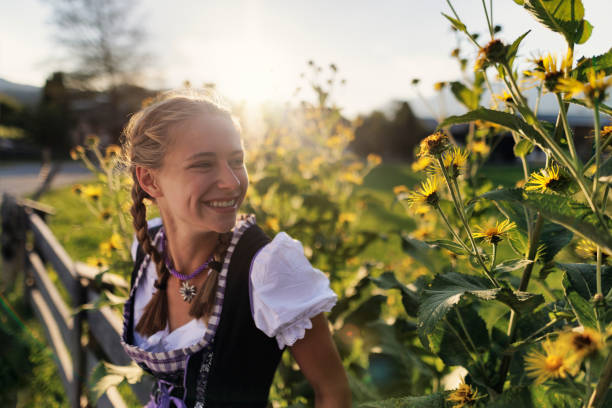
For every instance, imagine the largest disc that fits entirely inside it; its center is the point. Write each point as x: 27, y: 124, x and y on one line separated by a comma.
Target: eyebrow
x: 210, y: 154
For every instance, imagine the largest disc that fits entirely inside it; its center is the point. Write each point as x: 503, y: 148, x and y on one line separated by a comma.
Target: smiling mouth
x: 221, y: 204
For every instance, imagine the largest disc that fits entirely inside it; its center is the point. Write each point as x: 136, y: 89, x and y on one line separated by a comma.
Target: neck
x: 188, y: 249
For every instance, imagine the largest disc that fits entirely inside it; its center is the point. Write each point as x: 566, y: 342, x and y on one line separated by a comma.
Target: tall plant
x: 533, y: 329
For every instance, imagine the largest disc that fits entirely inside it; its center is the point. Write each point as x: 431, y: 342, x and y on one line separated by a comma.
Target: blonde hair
x: 145, y: 141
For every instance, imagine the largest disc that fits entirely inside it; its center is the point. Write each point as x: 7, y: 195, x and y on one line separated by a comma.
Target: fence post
x: 13, y: 240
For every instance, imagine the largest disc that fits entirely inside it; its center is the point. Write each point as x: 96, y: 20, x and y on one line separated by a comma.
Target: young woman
x: 214, y: 301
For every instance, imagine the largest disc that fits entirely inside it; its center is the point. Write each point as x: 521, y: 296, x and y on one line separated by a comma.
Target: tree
x: 104, y: 40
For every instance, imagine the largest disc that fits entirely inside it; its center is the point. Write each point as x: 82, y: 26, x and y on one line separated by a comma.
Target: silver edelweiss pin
x: 187, y: 291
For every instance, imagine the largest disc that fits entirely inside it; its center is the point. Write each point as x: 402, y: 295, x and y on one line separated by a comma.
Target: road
x: 22, y: 178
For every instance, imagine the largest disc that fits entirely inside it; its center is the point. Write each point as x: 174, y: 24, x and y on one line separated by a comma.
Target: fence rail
x: 63, y: 320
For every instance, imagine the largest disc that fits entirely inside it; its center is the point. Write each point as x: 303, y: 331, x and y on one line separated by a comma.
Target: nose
x: 228, y: 178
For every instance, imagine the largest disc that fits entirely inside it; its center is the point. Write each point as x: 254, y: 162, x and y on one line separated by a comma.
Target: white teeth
x: 222, y: 203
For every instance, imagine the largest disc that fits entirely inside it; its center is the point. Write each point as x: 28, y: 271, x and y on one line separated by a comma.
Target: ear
x: 148, y: 181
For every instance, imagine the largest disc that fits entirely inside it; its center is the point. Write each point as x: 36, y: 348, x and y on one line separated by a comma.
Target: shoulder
x: 282, y: 255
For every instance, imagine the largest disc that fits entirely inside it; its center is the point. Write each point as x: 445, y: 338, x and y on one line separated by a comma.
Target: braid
x: 155, y: 313
x: 204, y: 301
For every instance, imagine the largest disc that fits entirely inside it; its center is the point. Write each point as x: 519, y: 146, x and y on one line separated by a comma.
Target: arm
x: 318, y: 358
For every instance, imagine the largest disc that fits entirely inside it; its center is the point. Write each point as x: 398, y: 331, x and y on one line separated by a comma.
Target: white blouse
x: 286, y: 291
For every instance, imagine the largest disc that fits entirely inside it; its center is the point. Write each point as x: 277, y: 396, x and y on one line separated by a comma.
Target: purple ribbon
x: 163, y: 399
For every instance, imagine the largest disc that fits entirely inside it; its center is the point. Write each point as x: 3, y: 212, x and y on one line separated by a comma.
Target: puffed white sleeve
x: 287, y: 291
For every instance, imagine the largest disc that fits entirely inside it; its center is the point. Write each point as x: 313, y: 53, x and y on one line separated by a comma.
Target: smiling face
x: 203, y: 180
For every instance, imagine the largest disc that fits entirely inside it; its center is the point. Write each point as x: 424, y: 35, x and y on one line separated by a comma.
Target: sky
x: 255, y: 50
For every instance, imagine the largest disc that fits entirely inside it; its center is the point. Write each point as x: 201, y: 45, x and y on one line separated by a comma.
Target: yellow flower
x: 421, y: 163
x: 346, y: 217
x: 422, y: 233
x: 75, y: 153
x: 594, y: 90
x: 428, y: 194
x: 549, y: 71
x: 402, y: 189
x: 111, y: 246
x: 272, y: 223
x: 374, y: 159
x: 549, y: 179
x: 77, y: 189
x: 421, y: 210
x: 96, y: 261
x: 106, y: 214
x: 480, y: 147
x: 92, y: 140
x: 433, y: 144
x: 454, y: 161
x: 115, y: 241
x: 588, y: 250
x: 463, y: 396
x: 93, y: 192
x: 351, y: 178
x: 112, y: 151
x: 493, y: 52
x: 583, y: 342
x: 504, y: 97
x: 438, y: 86
x: 555, y: 362
x: 493, y: 235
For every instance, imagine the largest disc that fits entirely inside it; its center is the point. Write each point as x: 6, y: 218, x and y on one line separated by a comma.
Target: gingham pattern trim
x: 175, y: 360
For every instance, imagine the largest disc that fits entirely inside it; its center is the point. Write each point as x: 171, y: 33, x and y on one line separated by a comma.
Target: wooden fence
x: 28, y: 246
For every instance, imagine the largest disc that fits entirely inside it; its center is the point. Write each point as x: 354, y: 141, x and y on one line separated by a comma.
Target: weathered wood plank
x: 53, y: 252
x: 111, y: 398
x: 61, y: 313
x: 106, y: 327
x: 89, y: 272
x: 54, y: 337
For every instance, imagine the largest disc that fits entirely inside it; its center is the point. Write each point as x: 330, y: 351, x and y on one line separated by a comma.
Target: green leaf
x: 565, y: 17
x: 554, y: 237
x: 469, y: 98
x: 507, y: 120
x: 421, y: 251
x: 410, y: 300
x: 367, y: 311
x: 523, y: 148
x: 456, y: 23
x: 582, y: 278
x: 512, y: 50
x: 582, y: 308
x: 436, y: 400
x: 447, y: 290
x: 601, y: 62
x: 449, y: 245
x: 602, y: 107
x: 576, y: 217
x: 512, y: 398
x: 511, y: 265
x: 106, y: 375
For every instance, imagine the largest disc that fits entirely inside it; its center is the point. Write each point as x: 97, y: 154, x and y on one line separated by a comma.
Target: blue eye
x: 238, y: 162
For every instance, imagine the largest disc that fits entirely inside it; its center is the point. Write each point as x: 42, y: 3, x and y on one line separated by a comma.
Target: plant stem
x: 493, y: 256
x: 459, y: 209
x: 568, y: 132
x: 599, y: 395
x: 465, y: 330
x: 598, y: 272
x: 597, y: 152
x: 488, y: 19
x: 457, y: 17
x: 505, y: 364
x: 452, y: 231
